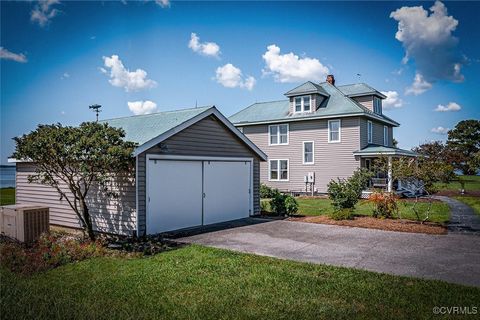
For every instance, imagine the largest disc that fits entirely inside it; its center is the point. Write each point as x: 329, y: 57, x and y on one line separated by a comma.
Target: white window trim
x: 369, y: 132
x: 302, y: 108
x: 313, y: 152
x: 339, y: 131
x: 278, y: 165
x: 386, y: 138
x: 278, y: 134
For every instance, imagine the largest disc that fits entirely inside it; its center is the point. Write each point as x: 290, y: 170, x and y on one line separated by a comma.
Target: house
x: 193, y: 167
x: 318, y: 133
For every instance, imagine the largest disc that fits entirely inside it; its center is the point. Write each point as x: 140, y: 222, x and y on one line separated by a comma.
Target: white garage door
x: 183, y: 194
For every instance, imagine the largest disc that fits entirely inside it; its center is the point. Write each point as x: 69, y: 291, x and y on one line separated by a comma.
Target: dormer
x: 365, y: 95
x: 306, y: 98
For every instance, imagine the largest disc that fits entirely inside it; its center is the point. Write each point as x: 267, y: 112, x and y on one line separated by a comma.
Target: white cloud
x: 142, y: 107
x: 163, y: 3
x: 452, y: 106
x: 65, y: 75
x: 8, y: 55
x: 291, y: 68
x: 393, y: 100
x: 427, y: 39
x: 204, y: 48
x: 419, y: 85
x: 122, y: 77
x: 231, y: 77
x: 43, y: 12
x: 440, y: 130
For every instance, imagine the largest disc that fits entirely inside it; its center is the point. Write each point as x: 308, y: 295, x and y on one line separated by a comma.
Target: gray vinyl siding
x: 366, y: 101
x: 331, y: 160
x: 209, y: 138
x: 109, y: 214
x: 377, y: 135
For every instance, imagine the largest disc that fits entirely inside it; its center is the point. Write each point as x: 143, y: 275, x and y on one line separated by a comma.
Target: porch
x: 384, y: 180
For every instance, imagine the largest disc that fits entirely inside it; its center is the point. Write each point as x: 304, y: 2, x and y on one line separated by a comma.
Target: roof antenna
x: 359, y: 76
x: 196, y: 103
x: 96, y: 109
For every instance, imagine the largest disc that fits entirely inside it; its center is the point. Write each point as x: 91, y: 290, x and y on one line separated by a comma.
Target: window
x: 333, y: 130
x: 377, y: 105
x: 278, y: 134
x: 308, y: 152
x: 302, y: 104
x: 370, y: 131
x: 279, y: 170
x: 385, y: 136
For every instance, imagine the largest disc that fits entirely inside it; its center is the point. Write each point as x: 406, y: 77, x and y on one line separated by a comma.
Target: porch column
x: 389, y: 175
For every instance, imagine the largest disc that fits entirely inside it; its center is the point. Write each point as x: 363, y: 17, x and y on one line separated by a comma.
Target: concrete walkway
x: 454, y: 258
x: 463, y: 219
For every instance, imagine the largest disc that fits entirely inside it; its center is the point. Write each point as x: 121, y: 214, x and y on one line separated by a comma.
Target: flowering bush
x: 384, y: 204
x: 50, y: 251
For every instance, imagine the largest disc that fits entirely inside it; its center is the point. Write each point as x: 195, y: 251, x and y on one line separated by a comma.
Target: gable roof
x: 151, y: 129
x: 335, y: 105
x: 306, y: 88
x: 359, y: 89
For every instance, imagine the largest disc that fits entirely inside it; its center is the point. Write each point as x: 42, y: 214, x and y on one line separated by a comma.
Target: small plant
x: 283, y: 204
x: 345, y: 193
x: 385, y: 204
x: 266, y: 191
x: 342, y: 214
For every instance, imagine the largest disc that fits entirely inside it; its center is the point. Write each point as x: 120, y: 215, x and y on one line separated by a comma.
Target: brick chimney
x: 331, y: 79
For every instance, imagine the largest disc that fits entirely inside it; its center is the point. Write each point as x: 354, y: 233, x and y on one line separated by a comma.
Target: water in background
x: 7, y: 176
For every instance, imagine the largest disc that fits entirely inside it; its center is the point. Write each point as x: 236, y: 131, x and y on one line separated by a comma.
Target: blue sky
x: 57, y: 58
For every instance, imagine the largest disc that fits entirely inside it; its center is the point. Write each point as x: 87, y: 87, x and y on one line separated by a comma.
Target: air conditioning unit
x: 24, y: 222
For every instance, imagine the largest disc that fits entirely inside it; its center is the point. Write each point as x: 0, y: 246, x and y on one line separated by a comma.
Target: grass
x: 472, y: 183
x: 7, y: 196
x: 473, y: 202
x: 440, y: 212
x: 196, y: 282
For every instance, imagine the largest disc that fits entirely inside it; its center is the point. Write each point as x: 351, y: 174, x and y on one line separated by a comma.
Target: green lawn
x: 7, y: 196
x: 205, y: 283
x: 473, y: 202
x: 440, y: 211
x: 472, y: 183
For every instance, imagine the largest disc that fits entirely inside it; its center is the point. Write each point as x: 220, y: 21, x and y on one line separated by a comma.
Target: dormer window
x: 302, y: 104
x: 377, y: 105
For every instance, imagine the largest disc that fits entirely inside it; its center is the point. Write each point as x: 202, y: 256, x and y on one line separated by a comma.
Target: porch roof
x: 376, y: 150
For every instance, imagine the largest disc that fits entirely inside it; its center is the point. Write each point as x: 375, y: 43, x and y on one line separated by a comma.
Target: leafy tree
x: 464, y: 142
x: 79, y: 157
x: 345, y: 193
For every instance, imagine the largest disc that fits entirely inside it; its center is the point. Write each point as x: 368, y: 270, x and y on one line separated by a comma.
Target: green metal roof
x: 337, y: 104
x: 306, y: 88
x: 359, y: 89
x: 377, y: 150
x: 143, y: 128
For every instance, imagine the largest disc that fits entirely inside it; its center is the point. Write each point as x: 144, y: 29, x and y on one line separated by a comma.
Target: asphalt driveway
x: 454, y: 258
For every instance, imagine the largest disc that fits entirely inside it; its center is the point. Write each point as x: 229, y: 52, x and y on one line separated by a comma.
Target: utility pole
x: 96, y: 109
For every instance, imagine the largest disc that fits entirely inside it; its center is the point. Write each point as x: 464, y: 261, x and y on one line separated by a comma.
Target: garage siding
x: 112, y: 215
x: 209, y: 138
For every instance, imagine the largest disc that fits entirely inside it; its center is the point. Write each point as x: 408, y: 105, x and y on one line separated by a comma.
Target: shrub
x: 283, y: 204
x: 345, y: 193
x: 384, y: 204
x: 342, y: 214
x: 266, y: 191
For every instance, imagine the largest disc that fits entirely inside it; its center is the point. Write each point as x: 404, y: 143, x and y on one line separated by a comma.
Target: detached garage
x: 193, y: 168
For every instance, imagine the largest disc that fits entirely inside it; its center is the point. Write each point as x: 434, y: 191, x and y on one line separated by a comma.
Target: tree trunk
x: 88, y: 219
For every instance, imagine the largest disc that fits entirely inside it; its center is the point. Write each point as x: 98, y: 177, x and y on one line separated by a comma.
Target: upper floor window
x: 334, y: 131
x: 278, y: 134
x: 308, y: 152
x: 302, y: 104
x: 385, y: 136
x: 377, y: 105
x: 370, y: 132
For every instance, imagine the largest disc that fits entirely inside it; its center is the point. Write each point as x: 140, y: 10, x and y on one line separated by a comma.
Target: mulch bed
x: 454, y: 193
x: 399, y: 225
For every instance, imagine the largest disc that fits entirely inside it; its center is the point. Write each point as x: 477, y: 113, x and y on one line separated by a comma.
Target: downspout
x: 136, y: 197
